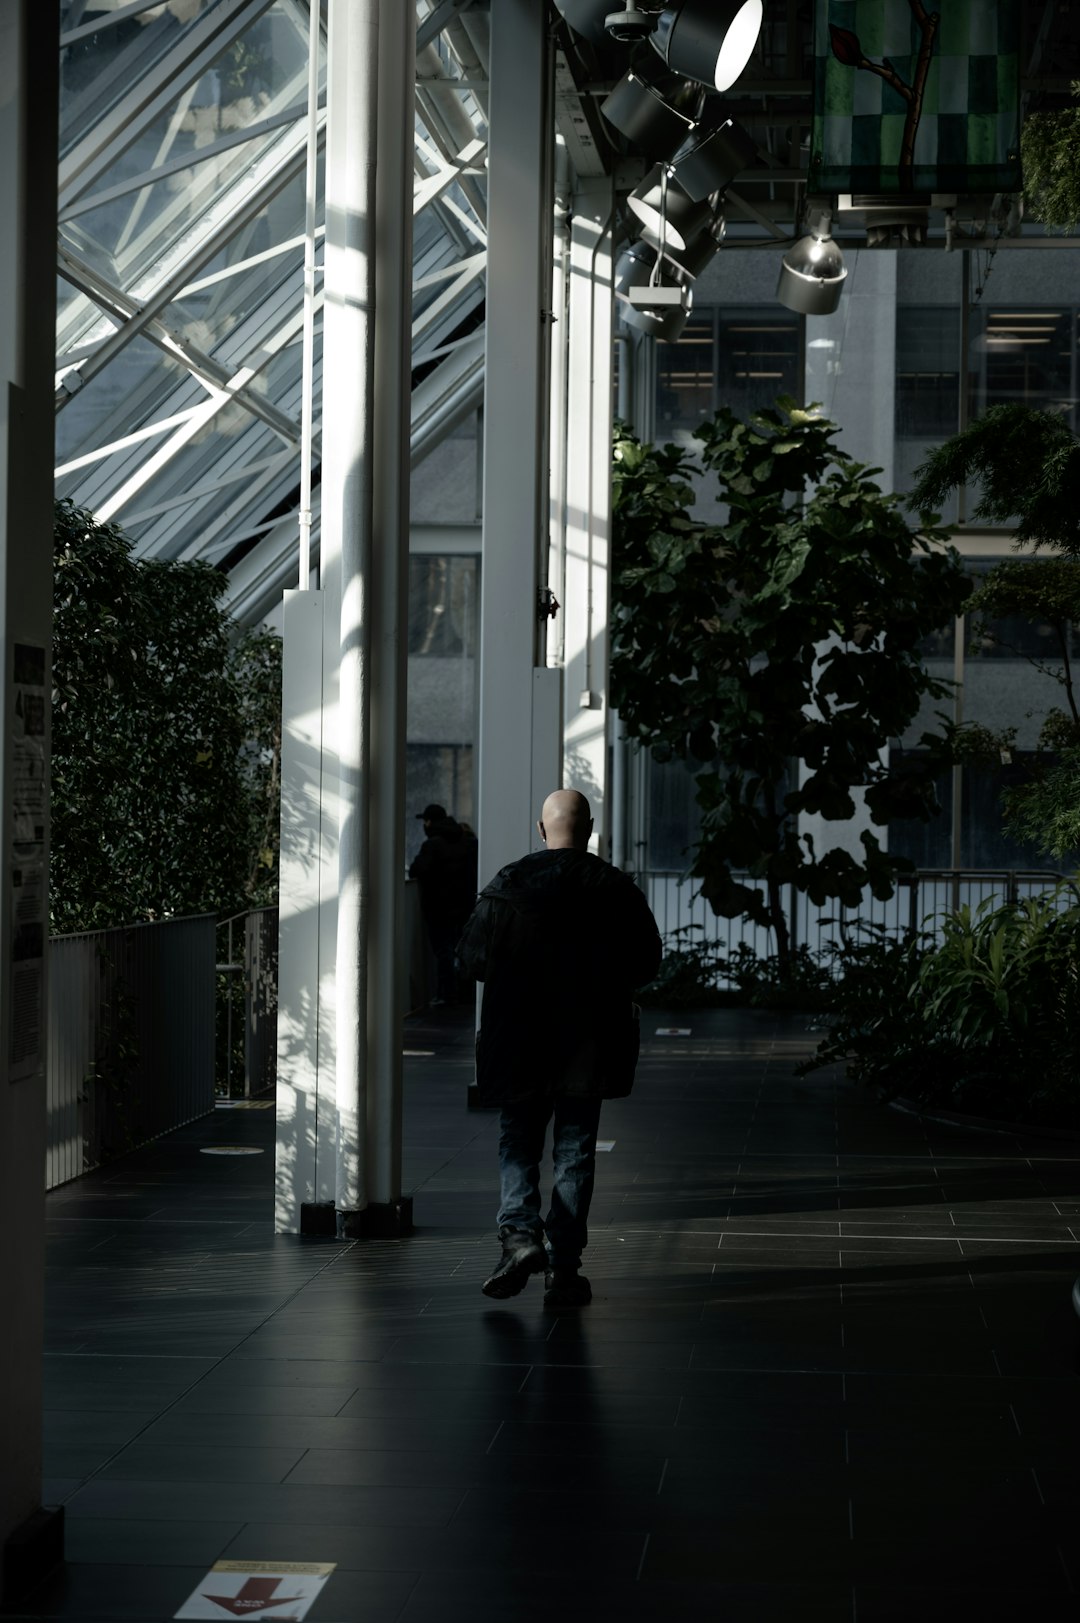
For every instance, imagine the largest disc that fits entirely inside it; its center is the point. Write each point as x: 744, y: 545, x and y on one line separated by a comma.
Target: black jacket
x: 445, y: 866
x: 560, y: 939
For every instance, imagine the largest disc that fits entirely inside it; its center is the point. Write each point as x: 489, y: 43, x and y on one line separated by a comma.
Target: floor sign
x: 277, y: 1589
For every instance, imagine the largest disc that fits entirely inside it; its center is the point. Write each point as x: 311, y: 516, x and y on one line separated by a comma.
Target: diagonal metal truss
x: 181, y: 245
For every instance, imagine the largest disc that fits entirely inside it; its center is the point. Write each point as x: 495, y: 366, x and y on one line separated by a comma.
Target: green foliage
x: 692, y: 971
x: 1045, y: 812
x: 1050, y: 153
x: 1027, y: 465
x: 792, y: 632
x: 688, y: 977
x: 985, y: 1020
x: 165, y: 738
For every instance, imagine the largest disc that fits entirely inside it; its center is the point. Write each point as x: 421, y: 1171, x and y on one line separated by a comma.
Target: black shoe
x: 523, y: 1254
x: 565, y: 1287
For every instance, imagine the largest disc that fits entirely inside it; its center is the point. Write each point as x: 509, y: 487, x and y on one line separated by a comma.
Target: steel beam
x: 520, y: 200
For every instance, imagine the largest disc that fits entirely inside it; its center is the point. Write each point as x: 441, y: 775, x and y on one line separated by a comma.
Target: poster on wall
x: 27, y: 877
x: 913, y: 100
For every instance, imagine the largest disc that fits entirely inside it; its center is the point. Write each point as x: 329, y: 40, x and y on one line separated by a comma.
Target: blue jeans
x: 523, y: 1128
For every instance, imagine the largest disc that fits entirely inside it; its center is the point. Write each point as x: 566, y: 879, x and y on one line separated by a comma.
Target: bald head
x: 565, y: 821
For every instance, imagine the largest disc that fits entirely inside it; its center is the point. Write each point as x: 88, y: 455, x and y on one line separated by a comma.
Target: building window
x: 1023, y: 355
x: 927, y: 373
x: 736, y: 356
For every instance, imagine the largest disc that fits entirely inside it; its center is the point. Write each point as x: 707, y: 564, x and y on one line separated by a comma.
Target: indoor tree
x: 788, y: 633
x: 165, y: 738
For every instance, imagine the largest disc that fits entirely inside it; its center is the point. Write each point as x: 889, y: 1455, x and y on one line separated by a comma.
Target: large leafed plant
x: 789, y: 633
x: 165, y: 738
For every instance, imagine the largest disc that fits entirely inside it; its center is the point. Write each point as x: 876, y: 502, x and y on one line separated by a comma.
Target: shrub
x: 986, y: 1020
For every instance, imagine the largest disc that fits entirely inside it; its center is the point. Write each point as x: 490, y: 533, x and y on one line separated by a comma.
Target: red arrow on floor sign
x: 256, y: 1596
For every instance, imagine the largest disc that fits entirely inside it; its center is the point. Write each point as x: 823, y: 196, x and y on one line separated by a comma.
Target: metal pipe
x: 385, y: 923
x: 307, y: 389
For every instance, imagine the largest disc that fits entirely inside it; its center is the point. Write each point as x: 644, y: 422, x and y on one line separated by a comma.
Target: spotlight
x: 655, y: 300
x: 653, y: 109
x: 699, y: 250
x: 708, y: 159
x: 708, y: 40
x: 812, y: 271
x: 667, y: 214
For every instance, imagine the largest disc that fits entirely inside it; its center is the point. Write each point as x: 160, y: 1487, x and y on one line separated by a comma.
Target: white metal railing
x: 130, y: 1039
x: 918, y: 900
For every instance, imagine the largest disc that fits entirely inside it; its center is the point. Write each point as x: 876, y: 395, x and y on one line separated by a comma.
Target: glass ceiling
x: 183, y: 142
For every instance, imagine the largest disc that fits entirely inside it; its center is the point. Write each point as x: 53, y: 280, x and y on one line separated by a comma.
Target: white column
x: 586, y: 608
x: 515, y: 424
x: 31, y: 1539
x: 348, y: 391
x: 307, y: 913
x: 342, y: 870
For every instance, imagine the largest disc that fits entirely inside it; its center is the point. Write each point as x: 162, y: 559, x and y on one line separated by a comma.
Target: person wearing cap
x: 560, y: 939
x: 445, y: 869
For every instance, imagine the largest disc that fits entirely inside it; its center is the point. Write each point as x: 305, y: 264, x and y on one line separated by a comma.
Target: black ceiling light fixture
x: 655, y: 296
x: 668, y: 217
x: 701, y: 249
x: 812, y: 271
x: 708, y: 40
x: 711, y: 156
x: 654, y: 109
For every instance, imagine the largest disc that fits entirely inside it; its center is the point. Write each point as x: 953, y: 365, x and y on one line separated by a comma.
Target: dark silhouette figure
x: 560, y: 939
x: 445, y: 868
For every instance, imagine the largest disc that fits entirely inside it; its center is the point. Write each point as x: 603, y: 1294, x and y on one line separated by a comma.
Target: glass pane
x: 674, y: 817
x: 927, y: 845
x: 1022, y: 354
x: 141, y: 384
x: 758, y: 351
x: 686, y: 376
x: 441, y: 723
x: 215, y: 313
x: 98, y: 69
x: 1010, y: 636
x: 446, y: 486
x: 983, y: 841
x: 927, y: 373
x: 231, y: 443
x: 441, y: 774
x: 443, y: 610
x: 262, y: 74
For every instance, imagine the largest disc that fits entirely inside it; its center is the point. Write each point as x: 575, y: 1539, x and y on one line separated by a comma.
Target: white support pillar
x: 348, y: 418
x: 515, y: 424
x: 31, y: 1537
x: 586, y: 608
x: 340, y: 1000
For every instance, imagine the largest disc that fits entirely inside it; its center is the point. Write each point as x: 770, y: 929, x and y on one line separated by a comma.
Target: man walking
x: 560, y: 939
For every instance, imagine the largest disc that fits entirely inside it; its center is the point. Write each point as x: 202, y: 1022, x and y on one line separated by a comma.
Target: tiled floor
x: 829, y: 1372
